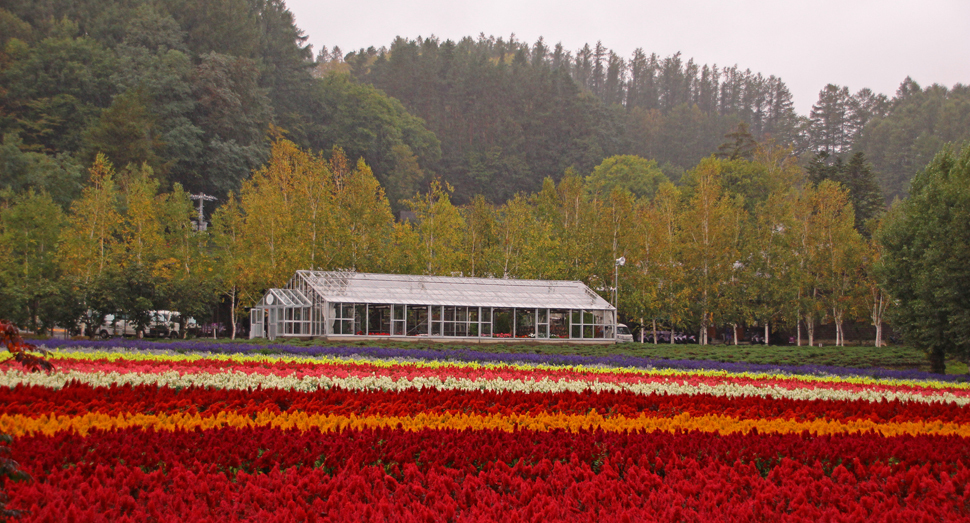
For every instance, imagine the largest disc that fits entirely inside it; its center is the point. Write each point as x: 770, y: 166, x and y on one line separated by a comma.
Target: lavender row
x: 466, y: 355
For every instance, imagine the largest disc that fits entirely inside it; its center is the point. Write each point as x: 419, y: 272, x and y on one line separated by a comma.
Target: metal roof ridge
x: 403, y: 276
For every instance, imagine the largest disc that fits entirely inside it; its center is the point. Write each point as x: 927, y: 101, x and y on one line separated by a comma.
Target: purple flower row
x: 465, y: 355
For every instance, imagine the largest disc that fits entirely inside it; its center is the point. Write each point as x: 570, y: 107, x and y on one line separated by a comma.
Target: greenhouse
x: 344, y: 305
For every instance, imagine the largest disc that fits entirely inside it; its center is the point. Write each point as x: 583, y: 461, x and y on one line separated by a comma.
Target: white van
x: 623, y: 333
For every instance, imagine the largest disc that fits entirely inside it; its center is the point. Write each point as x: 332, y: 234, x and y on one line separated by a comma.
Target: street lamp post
x: 616, y: 281
x: 616, y: 293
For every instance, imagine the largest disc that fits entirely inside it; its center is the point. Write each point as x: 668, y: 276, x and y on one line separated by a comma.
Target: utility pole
x: 200, y: 223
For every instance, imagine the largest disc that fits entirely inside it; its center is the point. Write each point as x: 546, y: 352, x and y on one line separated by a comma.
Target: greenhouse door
x: 272, y: 323
x: 256, y: 323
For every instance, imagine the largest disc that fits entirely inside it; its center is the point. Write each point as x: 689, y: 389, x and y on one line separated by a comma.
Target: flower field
x: 354, y: 434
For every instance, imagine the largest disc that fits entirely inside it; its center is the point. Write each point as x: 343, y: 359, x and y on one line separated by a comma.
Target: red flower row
x: 683, y: 491
x: 40, y: 401
x: 260, y: 449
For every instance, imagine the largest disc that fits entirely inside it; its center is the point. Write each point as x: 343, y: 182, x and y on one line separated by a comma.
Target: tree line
x: 192, y: 88
x: 743, y: 241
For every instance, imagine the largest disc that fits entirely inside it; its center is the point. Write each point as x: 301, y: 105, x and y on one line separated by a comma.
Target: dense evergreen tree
x: 924, y: 267
x: 831, y: 123
x: 739, y: 144
x: 857, y: 177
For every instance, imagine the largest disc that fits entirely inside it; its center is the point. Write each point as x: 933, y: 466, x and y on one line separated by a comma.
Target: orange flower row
x: 20, y: 425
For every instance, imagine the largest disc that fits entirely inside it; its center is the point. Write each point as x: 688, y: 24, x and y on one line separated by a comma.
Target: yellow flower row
x: 20, y: 425
x: 386, y: 363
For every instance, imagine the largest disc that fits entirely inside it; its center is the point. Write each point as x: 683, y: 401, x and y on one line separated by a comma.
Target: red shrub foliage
x: 27, y: 354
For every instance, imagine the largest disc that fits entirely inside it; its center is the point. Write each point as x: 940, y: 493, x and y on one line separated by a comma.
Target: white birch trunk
x: 232, y: 314
x: 837, y: 316
x: 878, y: 309
x: 810, y: 327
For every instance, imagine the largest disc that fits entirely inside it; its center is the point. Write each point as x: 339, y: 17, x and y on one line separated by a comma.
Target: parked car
x: 664, y: 337
x: 162, y: 324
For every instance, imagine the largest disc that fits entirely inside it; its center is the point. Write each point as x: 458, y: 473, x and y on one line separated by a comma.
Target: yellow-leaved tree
x: 439, y: 230
x: 231, y: 267
x: 710, y: 228
x: 287, y: 209
x: 89, y: 240
x: 838, y: 252
x: 94, y: 222
x: 362, y: 221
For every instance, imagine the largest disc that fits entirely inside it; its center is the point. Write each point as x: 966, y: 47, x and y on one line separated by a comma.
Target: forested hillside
x: 510, y: 114
x: 507, y: 116
x: 192, y: 89
x: 196, y: 91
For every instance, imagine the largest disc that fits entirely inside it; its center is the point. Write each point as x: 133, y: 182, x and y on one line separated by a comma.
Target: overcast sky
x: 808, y: 44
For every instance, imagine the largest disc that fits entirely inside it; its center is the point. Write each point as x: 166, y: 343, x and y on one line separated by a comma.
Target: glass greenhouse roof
x: 353, y: 287
x: 286, y: 298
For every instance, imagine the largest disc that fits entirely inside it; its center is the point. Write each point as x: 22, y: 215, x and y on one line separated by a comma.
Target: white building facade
x: 351, y: 305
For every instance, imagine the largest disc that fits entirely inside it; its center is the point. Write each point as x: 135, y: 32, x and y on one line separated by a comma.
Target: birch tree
x: 88, y: 241
x: 672, y: 281
x: 439, y: 228
x: 232, y: 271
x: 838, y: 252
x: 480, y: 227
x: 94, y: 223
x: 362, y: 221
x: 768, y: 261
x: 710, y: 226
x: 875, y: 299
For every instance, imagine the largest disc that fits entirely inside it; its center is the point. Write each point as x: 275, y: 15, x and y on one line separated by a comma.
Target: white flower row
x: 234, y: 380
x: 122, y: 354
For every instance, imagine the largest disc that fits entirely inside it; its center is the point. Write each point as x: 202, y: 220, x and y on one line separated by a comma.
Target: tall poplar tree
x: 479, y: 236
x: 94, y: 224
x: 230, y: 267
x: 838, y: 252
